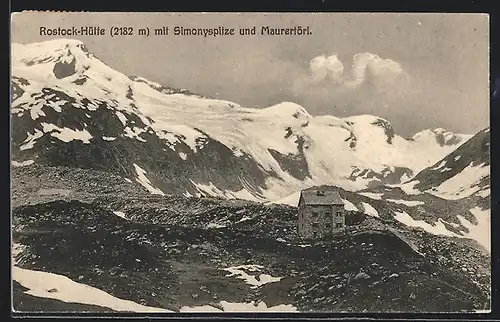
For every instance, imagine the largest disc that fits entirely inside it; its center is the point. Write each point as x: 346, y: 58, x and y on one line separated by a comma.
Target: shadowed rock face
x: 296, y: 165
x: 63, y: 69
x: 389, y: 131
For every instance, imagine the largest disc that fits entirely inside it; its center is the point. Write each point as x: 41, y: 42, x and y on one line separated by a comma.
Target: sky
x: 418, y: 71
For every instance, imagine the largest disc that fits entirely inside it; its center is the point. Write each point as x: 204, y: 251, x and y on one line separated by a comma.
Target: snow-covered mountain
x: 440, y: 135
x: 71, y: 109
x: 449, y: 198
x: 462, y: 173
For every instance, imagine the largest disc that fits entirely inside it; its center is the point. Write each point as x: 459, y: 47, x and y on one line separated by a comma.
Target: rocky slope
x: 172, y: 264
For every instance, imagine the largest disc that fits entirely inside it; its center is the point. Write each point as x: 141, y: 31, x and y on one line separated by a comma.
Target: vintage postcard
x: 250, y: 162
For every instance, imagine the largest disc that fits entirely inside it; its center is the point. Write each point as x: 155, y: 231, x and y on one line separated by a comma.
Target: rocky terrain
x: 174, y: 252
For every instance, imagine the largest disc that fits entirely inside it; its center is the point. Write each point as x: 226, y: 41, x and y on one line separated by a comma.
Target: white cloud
x: 328, y: 71
x: 367, y: 65
x: 363, y: 84
x: 323, y: 67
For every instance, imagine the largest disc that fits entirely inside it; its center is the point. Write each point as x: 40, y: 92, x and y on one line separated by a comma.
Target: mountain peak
x: 442, y: 136
x: 367, y: 119
x: 291, y: 111
x: 52, y: 44
x: 59, y: 57
x: 41, y: 52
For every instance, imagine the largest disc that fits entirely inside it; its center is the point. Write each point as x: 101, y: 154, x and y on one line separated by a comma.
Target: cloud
x: 328, y: 71
x: 326, y: 67
x: 370, y: 67
x: 370, y: 85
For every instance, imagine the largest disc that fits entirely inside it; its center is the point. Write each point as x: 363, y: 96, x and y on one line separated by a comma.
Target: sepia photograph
x: 250, y: 162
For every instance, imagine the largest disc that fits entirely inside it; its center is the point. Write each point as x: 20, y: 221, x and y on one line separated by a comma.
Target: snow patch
x: 215, y: 225
x: 369, y: 210
x: 405, y: 177
x: 245, y: 194
x: 482, y: 231
x: 409, y: 187
x: 224, y: 306
x: 484, y: 193
x: 292, y: 200
x: 189, y: 135
x: 439, y: 166
x: 437, y: 229
x: 134, y: 133
x: 122, y: 118
x: 144, y: 181
x: 22, y: 164
x: 120, y: 214
x: 238, y: 152
x: 482, y: 311
x: 66, y: 134
x: 349, y: 206
x: 409, y: 203
x: 108, y: 138
x: 183, y: 155
x: 372, y: 195
x: 30, y: 141
x: 239, y: 272
x: 244, y: 218
x: 68, y: 291
x: 209, y: 189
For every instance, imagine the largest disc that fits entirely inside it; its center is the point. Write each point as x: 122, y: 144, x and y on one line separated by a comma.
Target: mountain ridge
x: 283, y: 144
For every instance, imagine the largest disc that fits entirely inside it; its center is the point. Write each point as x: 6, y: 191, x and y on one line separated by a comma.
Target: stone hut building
x: 321, y: 212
